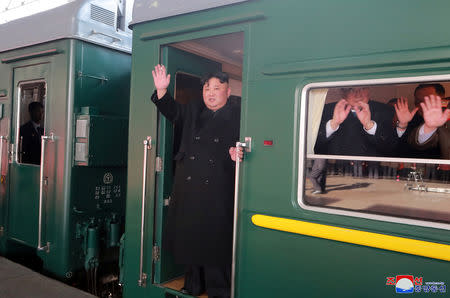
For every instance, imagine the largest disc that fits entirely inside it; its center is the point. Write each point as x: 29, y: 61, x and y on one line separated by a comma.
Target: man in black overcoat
x: 31, y: 133
x: 200, y: 217
x: 356, y: 125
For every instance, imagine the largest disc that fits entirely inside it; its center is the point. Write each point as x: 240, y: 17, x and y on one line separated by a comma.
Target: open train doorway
x: 187, y: 62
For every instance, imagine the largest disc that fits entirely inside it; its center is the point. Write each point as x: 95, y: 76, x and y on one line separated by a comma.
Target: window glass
x: 379, y: 149
x: 31, y: 121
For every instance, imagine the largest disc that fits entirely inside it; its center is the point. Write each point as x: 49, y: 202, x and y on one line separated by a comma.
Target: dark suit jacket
x: 200, y: 217
x: 437, y: 146
x: 31, y: 143
x: 352, y: 139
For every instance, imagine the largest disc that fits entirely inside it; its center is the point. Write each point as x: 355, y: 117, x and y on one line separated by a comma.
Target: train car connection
x: 64, y: 98
x: 368, y: 235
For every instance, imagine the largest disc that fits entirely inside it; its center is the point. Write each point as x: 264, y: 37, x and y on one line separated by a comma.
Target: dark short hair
x: 345, y: 91
x: 221, y: 76
x: 440, y: 90
x: 34, y: 105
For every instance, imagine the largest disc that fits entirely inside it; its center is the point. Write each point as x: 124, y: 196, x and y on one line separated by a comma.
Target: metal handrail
x: 247, y: 146
x: 44, y: 139
x: 142, y: 275
x: 2, y: 139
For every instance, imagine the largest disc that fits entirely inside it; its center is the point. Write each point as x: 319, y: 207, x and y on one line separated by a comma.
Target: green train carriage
x: 64, y: 214
x: 288, y: 58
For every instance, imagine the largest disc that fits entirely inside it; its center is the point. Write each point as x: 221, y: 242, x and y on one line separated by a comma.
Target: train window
x: 372, y: 149
x: 30, y: 121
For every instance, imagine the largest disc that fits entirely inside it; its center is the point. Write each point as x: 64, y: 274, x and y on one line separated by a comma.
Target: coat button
x: 216, y: 140
x: 211, y: 162
x: 206, y: 181
x: 197, y: 138
x: 192, y: 157
x: 188, y: 178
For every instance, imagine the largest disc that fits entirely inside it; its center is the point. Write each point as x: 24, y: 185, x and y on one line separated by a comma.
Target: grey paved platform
x: 17, y: 281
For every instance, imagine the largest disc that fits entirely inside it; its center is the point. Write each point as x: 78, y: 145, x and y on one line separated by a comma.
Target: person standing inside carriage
x: 30, y: 134
x: 200, y: 217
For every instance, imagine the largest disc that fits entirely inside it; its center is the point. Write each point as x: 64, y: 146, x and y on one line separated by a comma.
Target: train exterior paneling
x: 287, y: 46
x: 80, y: 194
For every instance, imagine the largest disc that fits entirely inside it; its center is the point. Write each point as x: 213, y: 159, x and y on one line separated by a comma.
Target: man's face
x: 215, y: 94
x: 356, y: 95
x: 36, y: 114
x: 420, y: 94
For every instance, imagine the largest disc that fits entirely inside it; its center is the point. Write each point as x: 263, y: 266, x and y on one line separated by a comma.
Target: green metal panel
x: 23, y: 206
x: 175, y: 61
x: 96, y: 135
x: 293, y: 44
x: 98, y: 190
x: 311, y: 267
x: 102, y: 78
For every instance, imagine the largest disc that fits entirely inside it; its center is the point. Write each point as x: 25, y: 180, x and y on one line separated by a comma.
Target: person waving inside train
x: 356, y: 125
x: 425, y: 130
x: 200, y: 217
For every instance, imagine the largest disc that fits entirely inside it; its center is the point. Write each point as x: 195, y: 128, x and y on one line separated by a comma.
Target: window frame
x: 302, y: 147
x: 17, y: 129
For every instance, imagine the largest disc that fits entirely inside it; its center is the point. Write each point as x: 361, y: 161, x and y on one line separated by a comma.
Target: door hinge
x: 158, y: 166
x: 2, y: 230
x: 11, y: 153
x: 155, y: 253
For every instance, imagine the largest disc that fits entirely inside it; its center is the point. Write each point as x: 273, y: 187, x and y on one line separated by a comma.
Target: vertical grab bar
x: 142, y: 275
x: 247, y: 146
x: 44, y: 139
x: 2, y: 139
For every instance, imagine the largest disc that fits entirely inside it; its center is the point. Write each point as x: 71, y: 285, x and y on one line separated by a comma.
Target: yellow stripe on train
x: 399, y: 244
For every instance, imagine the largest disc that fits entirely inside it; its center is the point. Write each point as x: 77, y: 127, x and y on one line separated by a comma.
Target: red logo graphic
x: 399, y: 277
x: 390, y: 281
x: 418, y: 281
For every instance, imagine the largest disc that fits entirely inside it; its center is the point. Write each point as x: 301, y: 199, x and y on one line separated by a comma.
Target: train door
x: 186, y: 70
x: 27, y: 181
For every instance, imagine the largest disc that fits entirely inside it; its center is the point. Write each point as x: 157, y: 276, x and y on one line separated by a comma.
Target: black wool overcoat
x: 31, y: 143
x: 200, y: 218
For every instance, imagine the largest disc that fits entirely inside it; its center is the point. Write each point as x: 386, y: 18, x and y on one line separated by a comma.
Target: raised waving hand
x: 404, y: 116
x: 432, y: 113
x: 161, y: 80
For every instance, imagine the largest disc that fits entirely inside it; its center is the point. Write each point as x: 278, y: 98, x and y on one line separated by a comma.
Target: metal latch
x: 158, y: 165
x: 247, y: 145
